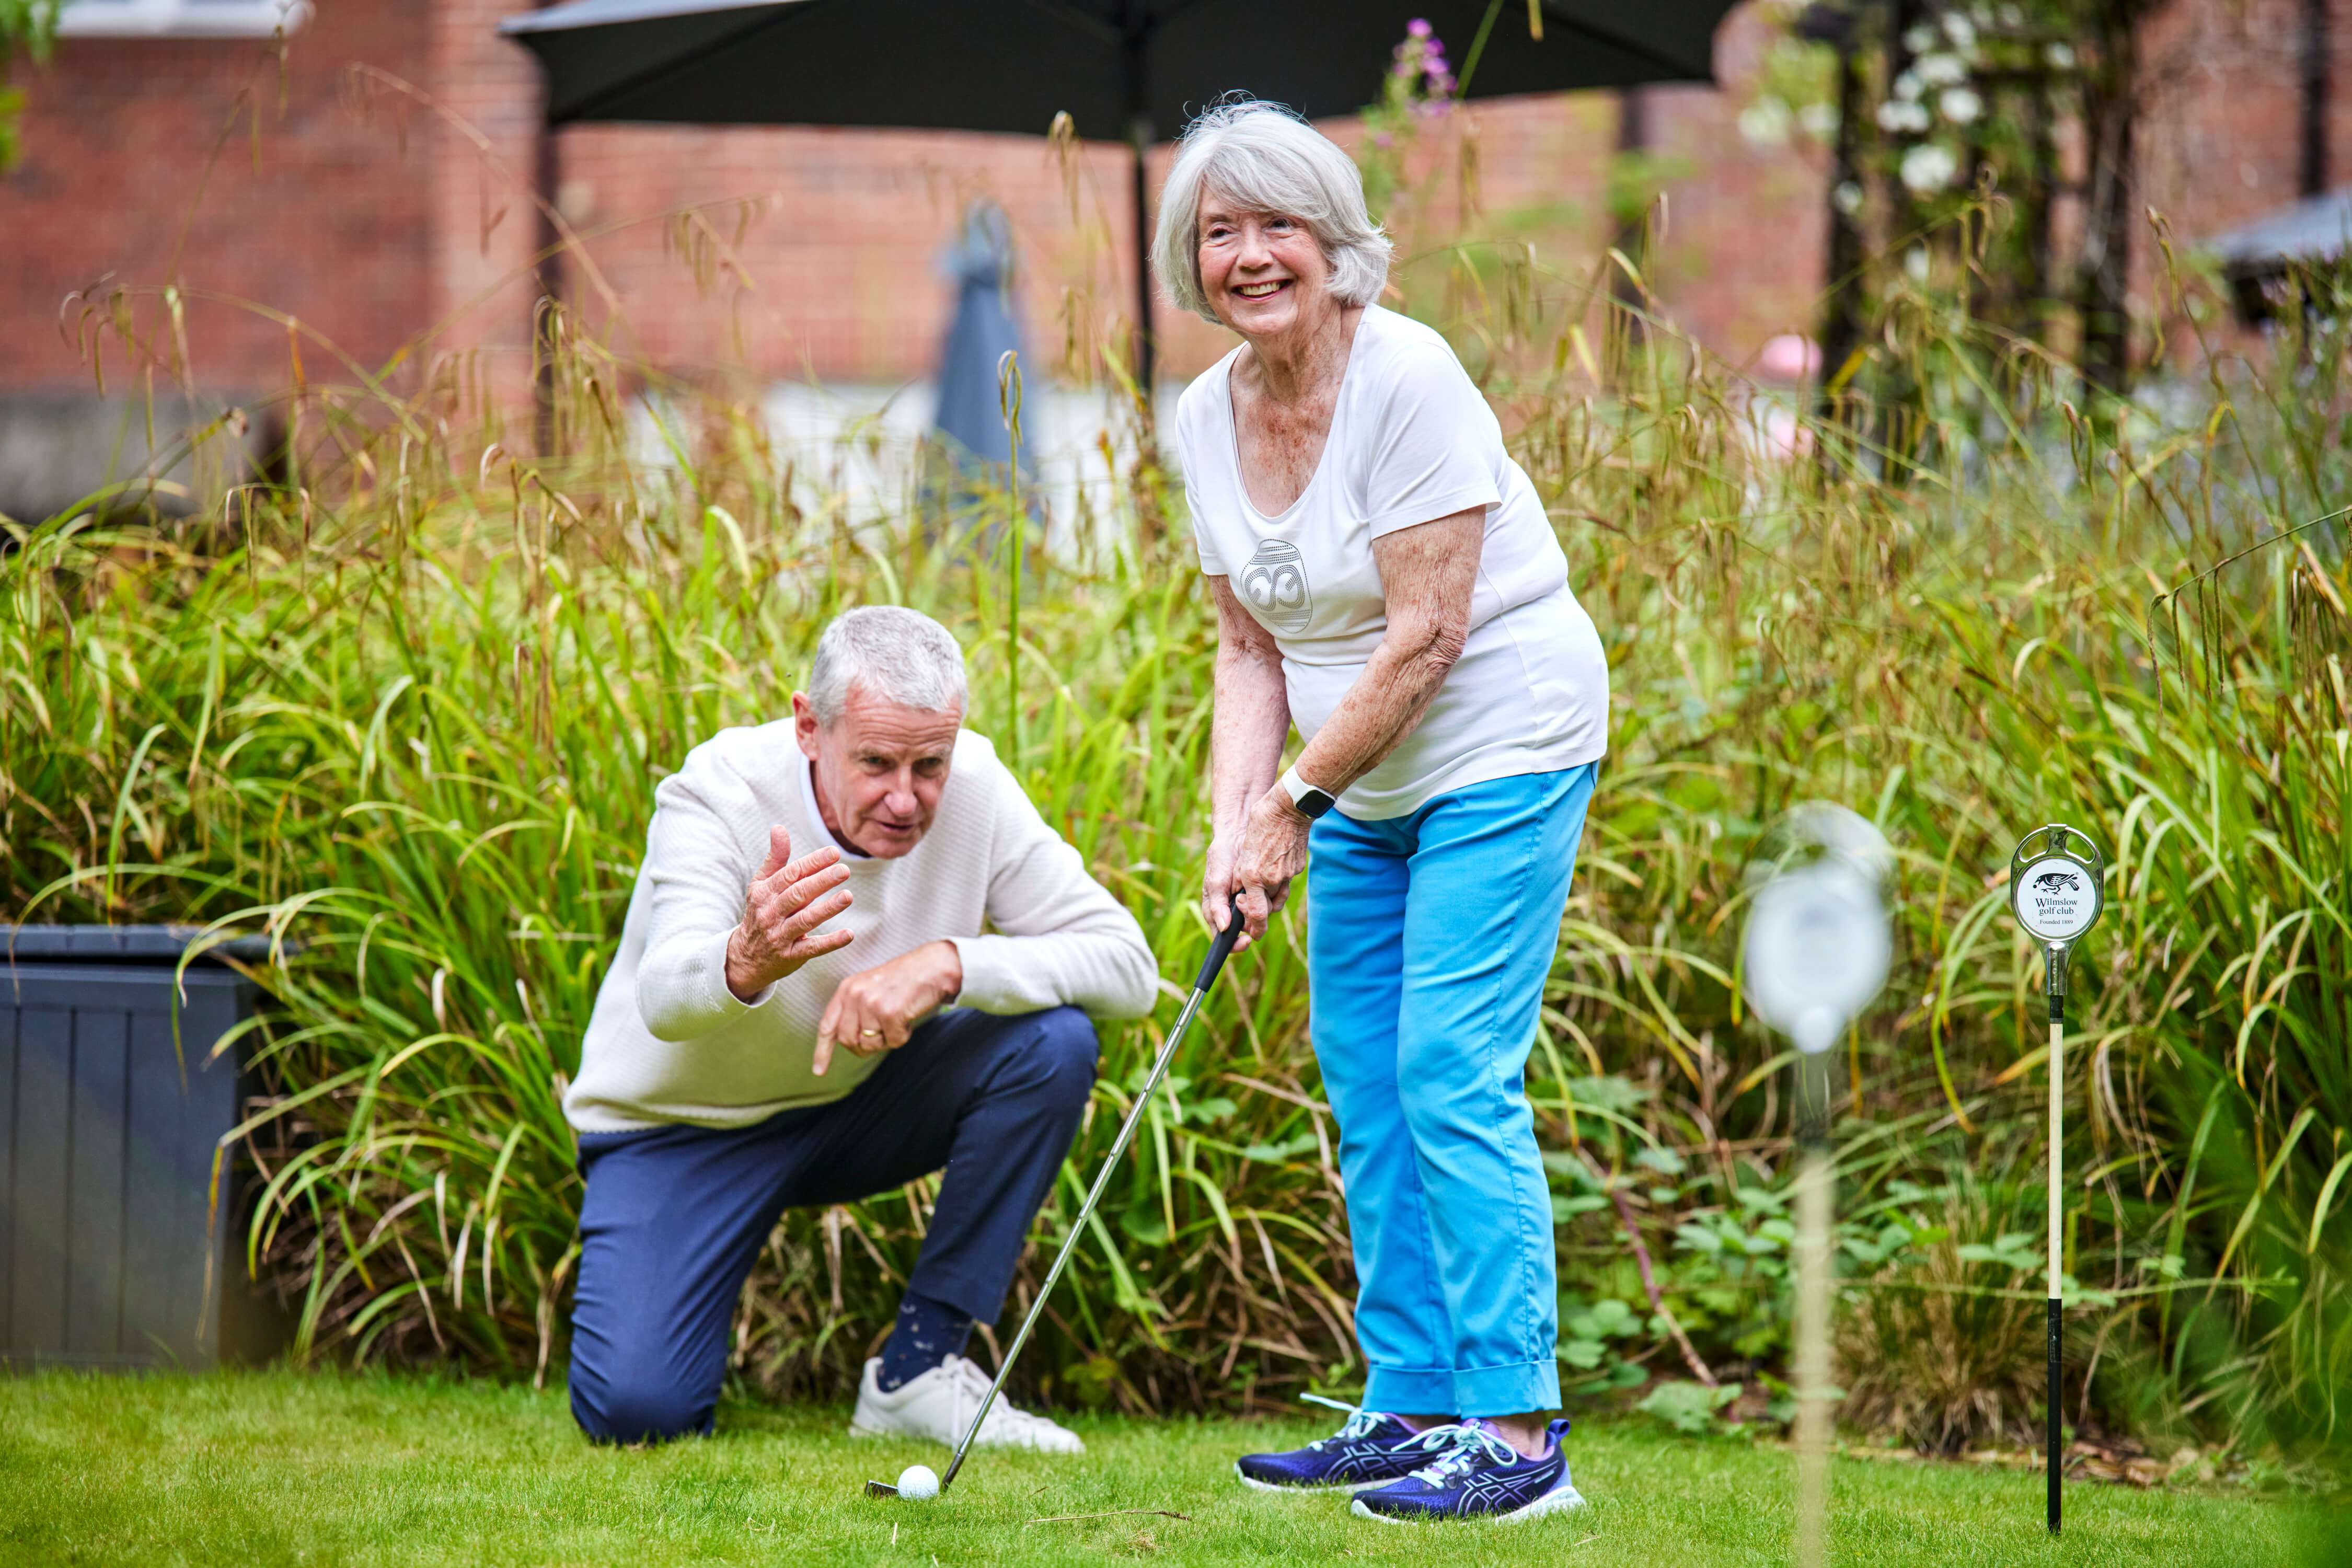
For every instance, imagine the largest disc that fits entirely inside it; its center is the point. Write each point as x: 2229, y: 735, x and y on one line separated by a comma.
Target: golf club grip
x: 1221, y: 949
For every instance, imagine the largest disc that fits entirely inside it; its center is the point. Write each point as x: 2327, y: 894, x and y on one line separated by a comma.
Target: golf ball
x: 916, y: 1481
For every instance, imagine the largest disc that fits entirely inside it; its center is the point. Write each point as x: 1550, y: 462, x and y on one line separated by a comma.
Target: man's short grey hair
x: 897, y: 655
x: 1268, y: 160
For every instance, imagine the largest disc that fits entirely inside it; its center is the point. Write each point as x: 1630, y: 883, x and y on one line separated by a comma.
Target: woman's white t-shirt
x: 1411, y: 440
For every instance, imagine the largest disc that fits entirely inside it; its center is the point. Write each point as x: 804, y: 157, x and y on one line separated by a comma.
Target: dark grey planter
x: 113, y: 1252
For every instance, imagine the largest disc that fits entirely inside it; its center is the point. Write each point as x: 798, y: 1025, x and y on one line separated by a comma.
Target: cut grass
x: 280, y: 1468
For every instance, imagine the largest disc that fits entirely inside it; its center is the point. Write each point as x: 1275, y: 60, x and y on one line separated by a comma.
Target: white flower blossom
x: 1765, y: 122
x: 1901, y: 118
x: 1960, y: 105
x: 1960, y: 30
x: 1919, y: 39
x: 1942, y: 70
x: 1848, y: 197
x: 1916, y: 263
x: 1906, y: 86
x: 1928, y: 167
x: 2012, y: 17
x: 1819, y: 120
x: 2060, y: 55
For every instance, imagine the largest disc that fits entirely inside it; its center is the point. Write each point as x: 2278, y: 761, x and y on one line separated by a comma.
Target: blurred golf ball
x: 916, y: 1481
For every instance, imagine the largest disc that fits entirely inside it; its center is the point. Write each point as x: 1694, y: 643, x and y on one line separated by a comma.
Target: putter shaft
x: 1218, y: 951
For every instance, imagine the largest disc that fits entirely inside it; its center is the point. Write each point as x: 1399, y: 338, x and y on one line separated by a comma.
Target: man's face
x: 879, y: 769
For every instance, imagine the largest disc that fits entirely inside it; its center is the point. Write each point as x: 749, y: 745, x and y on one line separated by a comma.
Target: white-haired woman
x: 1386, y: 579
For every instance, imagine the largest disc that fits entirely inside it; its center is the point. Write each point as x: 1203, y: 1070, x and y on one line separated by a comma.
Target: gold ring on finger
x: 869, y: 1031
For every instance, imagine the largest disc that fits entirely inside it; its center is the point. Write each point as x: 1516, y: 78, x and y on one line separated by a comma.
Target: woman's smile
x: 1261, y: 290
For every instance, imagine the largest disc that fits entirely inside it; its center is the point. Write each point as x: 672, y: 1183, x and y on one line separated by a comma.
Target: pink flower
x: 1417, y: 28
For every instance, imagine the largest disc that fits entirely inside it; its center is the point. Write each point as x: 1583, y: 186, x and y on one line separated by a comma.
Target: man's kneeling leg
x: 1010, y: 1135
x: 671, y: 1224
x: 996, y: 1100
x: 674, y: 1217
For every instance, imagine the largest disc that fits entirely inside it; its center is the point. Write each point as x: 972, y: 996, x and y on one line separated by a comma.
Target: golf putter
x: 1218, y: 951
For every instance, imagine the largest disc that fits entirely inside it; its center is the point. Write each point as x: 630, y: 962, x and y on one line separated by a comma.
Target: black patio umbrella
x: 1123, y: 69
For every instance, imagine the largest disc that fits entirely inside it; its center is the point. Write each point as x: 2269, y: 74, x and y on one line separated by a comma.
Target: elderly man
x: 804, y: 1010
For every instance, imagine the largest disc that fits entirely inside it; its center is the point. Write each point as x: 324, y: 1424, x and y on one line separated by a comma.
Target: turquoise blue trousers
x: 1429, y: 936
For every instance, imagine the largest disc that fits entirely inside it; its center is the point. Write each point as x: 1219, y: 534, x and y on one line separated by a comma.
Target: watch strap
x: 1310, y: 801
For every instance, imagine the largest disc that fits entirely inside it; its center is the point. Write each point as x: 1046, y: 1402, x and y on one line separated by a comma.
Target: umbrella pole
x: 1139, y: 131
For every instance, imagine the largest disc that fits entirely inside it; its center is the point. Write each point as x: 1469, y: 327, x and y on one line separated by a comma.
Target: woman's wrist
x: 1308, y: 799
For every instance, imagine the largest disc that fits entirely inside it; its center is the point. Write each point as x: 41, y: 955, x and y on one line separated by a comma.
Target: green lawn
x: 282, y: 1468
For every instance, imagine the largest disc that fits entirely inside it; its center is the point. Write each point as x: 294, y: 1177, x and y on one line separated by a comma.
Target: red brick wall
x: 1746, y: 229
x: 479, y: 184
x: 834, y: 235
x: 814, y: 252
x: 325, y: 218
x: 2224, y: 133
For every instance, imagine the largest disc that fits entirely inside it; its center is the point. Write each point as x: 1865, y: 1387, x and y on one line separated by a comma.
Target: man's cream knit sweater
x: 668, y: 1042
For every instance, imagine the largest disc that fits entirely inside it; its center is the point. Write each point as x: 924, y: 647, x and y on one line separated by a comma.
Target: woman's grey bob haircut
x: 898, y: 654
x: 1269, y: 161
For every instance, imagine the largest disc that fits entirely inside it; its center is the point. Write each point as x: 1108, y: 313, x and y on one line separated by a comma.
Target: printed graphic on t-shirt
x: 1275, y: 584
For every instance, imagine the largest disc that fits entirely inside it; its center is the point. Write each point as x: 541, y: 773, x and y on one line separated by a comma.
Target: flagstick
x: 2056, y: 891
x: 1815, y: 1185
x: 2054, y: 957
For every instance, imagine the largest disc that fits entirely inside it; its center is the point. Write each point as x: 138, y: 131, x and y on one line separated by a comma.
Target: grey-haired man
x: 805, y: 1010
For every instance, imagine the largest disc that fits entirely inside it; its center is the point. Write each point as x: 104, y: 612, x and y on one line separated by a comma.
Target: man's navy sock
x: 926, y: 1334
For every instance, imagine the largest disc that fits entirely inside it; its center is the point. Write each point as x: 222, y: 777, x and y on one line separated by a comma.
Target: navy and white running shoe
x: 1475, y: 1474
x: 1372, y: 1450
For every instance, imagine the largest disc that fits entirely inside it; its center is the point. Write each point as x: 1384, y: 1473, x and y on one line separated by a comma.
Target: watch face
x: 1315, y: 802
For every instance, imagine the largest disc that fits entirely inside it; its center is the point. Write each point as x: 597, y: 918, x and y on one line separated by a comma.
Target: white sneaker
x: 939, y: 1406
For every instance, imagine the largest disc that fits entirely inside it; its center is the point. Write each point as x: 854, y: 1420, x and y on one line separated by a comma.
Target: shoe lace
x: 1361, y: 1421
x: 972, y: 1382
x: 1459, y: 1446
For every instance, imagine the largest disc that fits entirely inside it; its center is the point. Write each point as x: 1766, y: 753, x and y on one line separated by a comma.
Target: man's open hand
x: 788, y: 901
x: 877, y: 1008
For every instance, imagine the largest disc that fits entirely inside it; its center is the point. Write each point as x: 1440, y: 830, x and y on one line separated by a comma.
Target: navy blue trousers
x: 674, y: 1216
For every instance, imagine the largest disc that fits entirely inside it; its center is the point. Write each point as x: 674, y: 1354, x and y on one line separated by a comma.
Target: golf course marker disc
x: 2056, y: 884
x: 1818, y: 942
x: 1817, y: 950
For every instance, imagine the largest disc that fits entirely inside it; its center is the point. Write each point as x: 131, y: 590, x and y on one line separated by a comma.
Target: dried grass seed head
x: 1266, y: 159
x: 896, y: 653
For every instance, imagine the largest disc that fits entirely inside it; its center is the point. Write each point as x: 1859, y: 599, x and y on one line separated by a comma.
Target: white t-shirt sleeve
x: 1436, y: 447
x: 1190, y: 419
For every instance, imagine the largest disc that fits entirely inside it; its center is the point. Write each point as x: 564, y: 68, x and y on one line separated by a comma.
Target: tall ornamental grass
x: 403, y: 713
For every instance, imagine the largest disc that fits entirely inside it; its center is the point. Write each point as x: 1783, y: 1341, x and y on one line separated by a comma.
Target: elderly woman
x: 1387, y: 581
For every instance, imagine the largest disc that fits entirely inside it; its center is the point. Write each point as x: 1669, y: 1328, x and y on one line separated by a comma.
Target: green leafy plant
x: 404, y: 713
x: 1690, y: 1408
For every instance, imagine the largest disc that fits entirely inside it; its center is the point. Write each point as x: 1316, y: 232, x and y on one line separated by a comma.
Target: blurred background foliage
x: 401, y: 704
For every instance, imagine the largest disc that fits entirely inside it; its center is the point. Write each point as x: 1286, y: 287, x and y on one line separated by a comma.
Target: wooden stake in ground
x: 2056, y: 889
x: 1817, y: 952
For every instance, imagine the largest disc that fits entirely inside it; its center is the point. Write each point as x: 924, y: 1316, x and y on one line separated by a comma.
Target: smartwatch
x: 1311, y: 802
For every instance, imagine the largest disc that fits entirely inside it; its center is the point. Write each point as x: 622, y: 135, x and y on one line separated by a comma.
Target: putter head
x: 880, y: 1489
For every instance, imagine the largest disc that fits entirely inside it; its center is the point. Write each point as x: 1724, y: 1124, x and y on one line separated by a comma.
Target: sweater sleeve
x: 1065, y: 940
x: 696, y: 878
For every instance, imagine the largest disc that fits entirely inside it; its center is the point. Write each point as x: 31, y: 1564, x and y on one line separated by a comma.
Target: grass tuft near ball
x: 918, y: 1482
